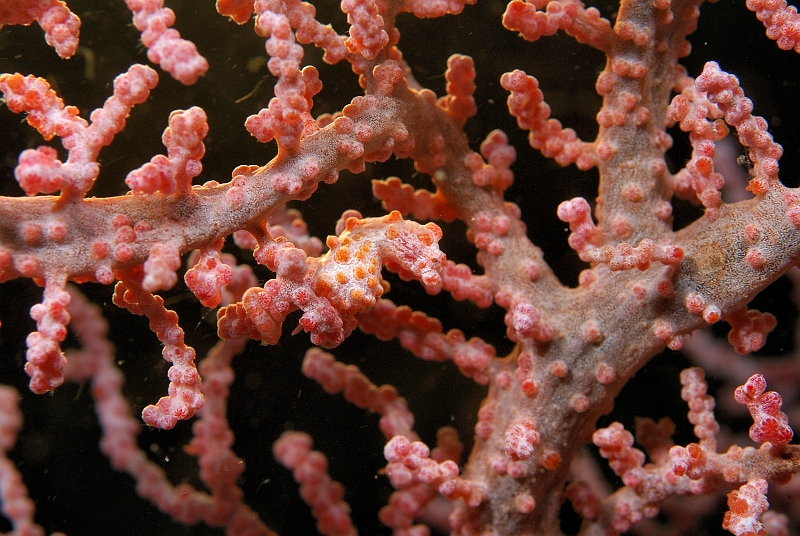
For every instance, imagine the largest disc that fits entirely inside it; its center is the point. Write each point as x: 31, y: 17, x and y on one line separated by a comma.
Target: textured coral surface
x: 557, y: 346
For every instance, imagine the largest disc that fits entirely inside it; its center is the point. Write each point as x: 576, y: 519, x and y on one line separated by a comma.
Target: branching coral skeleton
x: 646, y: 285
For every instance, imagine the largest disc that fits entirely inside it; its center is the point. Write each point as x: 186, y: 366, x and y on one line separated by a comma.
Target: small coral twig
x: 39, y: 171
x: 177, y: 56
x: 324, y: 496
x: 61, y: 26
x: 459, y: 103
x: 423, y: 336
x: 723, y: 90
x: 701, y: 406
x: 616, y: 445
x: 173, y: 174
x: 16, y: 505
x: 781, y: 21
x: 185, y: 395
x: 410, y: 463
x: 406, y: 200
x: 749, y: 329
x: 337, y: 377
x: 526, y: 103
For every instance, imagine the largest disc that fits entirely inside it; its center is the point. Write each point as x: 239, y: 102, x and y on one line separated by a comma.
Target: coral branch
x: 40, y: 171
x: 293, y: 450
x: 185, y: 395
x: 61, y: 26
x: 177, y: 56
x: 723, y: 90
x: 545, y: 359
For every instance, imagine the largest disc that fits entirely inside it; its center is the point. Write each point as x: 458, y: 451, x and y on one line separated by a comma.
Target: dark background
x: 74, y: 488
